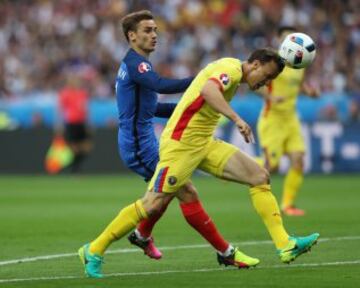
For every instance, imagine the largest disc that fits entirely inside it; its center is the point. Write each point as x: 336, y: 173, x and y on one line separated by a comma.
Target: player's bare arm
x: 215, y: 99
x: 309, y: 90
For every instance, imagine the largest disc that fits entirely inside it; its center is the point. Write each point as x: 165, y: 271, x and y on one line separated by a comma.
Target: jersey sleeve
x: 164, y: 110
x: 142, y: 73
x: 225, y: 75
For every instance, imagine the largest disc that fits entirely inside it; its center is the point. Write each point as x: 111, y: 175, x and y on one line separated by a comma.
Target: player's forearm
x: 153, y: 81
x: 215, y: 99
x: 169, y: 86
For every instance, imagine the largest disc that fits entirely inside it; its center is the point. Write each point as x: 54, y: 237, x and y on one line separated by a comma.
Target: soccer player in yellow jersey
x: 279, y: 129
x: 187, y: 143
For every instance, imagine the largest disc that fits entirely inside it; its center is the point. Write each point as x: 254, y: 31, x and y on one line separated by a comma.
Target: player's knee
x: 261, y: 177
x: 187, y: 194
x: 271, y: 166
x: 298, y: 165
x: 297, y: 161
x: 273, y: 169
x: 155, y: 208
x: 153, y: 204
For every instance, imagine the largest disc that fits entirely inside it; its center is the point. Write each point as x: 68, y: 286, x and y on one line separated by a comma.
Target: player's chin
x: 253, y: 87
x: 151, y: 48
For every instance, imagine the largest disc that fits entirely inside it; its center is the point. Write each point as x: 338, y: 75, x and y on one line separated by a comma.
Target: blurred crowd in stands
x: 40, y: 40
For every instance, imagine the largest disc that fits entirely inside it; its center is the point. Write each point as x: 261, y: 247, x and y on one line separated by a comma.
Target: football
x: 298, y: 50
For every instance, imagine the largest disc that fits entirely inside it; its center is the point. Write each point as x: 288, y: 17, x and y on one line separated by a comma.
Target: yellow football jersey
x: 286, y: 85
x: 194, y: 121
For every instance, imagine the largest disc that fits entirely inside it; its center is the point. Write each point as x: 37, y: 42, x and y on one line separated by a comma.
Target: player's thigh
x: 217, y: 155
x: 295, y: 141
x: 272, y: 137
x: 177, y: 164
x: 226, y: 161
x: 295, y: 145
x: 137, y: 164
x: 244, y: 169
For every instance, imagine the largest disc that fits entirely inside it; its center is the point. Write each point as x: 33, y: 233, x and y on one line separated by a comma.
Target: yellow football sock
x: 293, y: 181
x: 266, y: 206
x: 123, y: 223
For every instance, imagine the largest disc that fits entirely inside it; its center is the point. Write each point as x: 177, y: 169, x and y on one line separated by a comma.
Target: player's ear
x: 255, y: 65
x: 132, y: 36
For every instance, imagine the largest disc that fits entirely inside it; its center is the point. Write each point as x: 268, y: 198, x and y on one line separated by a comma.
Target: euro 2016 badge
x: 172, y: 180
x: 224, y: 78
x: 144, y: 67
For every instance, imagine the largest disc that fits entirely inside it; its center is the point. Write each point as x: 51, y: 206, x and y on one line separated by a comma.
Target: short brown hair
x: 267, y: 55
x: 130, y: 21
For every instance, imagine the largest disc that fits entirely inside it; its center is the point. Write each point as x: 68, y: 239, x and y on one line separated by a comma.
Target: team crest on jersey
x: 144, y: 67
x: 224, y: 78
x: 172, y: 180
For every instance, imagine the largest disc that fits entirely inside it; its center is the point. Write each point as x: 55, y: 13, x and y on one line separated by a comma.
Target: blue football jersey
x: 137, y: 85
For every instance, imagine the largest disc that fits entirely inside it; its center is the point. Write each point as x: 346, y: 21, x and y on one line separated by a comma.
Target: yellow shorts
x: 178, y: 161
x: 279, y: 136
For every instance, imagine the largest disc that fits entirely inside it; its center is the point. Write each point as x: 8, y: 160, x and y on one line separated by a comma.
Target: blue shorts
x: 141, y: 162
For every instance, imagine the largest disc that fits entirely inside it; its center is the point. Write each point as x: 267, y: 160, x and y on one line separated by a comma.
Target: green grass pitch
x: 53, y: 216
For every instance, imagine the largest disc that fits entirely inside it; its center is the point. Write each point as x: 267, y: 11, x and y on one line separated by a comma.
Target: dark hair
x: 282, y: 29
x: 130, y: 21
x: 267, y: 55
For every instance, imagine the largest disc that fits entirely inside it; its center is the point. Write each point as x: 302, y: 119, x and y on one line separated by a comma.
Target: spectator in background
x: 37, y: 38
x: 354, y: 108
x: 73, y: 106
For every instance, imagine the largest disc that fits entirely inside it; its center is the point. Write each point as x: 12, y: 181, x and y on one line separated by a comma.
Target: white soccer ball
x: 298, y: 50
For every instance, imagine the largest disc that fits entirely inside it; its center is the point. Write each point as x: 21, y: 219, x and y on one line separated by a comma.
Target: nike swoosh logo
x: 206, y: 222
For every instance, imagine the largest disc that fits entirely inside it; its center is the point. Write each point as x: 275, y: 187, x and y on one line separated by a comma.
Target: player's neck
x: 141, y: 51
x: 245, y: 71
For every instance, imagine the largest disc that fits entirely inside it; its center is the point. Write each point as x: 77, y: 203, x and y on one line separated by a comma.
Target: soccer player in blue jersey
x: 137, y: 85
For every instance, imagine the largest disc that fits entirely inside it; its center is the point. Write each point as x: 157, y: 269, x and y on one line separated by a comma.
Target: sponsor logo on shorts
x: 172, y: 180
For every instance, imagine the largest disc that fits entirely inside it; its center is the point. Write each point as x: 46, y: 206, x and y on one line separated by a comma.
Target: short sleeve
x: 226, y: 74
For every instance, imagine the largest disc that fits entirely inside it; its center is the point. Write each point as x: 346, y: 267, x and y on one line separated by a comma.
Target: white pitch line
x: 180, y: 247
x: 353, y: 262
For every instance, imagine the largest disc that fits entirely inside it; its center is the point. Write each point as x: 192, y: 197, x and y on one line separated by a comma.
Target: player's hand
x: 314, y: 92
x: 245, y: 131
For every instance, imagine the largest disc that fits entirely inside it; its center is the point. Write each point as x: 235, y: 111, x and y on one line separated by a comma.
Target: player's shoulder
x: 137, y: 62
x: 228, y: 65
x: 291, y: 72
